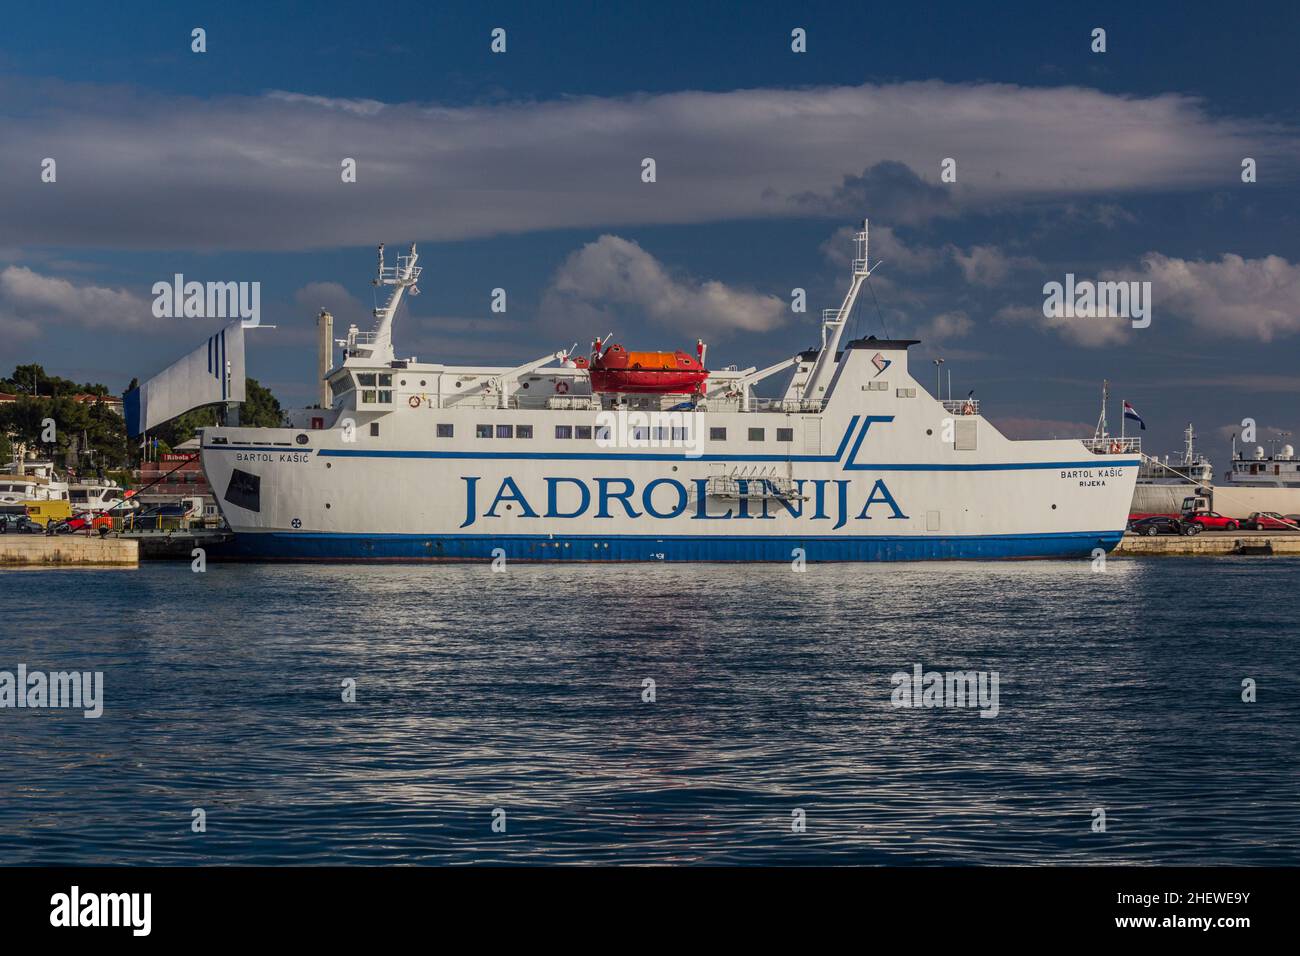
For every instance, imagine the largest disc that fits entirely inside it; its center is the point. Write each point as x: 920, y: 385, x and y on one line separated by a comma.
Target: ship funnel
x: 324, y: 354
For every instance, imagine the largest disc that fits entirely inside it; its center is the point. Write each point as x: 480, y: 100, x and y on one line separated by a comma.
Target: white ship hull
x: 874, y: 476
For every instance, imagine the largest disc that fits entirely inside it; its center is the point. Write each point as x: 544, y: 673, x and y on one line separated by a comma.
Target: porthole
x: 403, y: 381
x: 458, y: 384
x: 301, y: 439
x: 327, y: 506
x: 422, y: 383
x: 929, y: 431
x: 329, y: 464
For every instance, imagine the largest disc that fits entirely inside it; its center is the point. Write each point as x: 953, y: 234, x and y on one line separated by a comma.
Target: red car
x: 1211, y: 520
x: 1266, y: 521
x: 83, y: 521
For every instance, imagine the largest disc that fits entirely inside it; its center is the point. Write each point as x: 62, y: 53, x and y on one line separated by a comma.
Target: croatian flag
x: 1131, y: 413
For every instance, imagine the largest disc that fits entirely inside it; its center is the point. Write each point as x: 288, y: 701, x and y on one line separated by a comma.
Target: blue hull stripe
x: 310, y: 546
x: 850, y: 465
x: 614, y: 456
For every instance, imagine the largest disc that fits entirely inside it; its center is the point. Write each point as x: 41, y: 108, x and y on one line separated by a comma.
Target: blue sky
x: 522, y: 170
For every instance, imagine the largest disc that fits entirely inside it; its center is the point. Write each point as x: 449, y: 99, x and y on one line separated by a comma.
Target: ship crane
x: 744, y: 381
x: 504, y: 383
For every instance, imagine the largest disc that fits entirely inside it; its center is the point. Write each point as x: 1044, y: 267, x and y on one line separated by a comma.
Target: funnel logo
x: 881, y: 363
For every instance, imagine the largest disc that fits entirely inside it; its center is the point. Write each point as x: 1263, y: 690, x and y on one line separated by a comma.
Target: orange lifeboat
x: 618, y: 370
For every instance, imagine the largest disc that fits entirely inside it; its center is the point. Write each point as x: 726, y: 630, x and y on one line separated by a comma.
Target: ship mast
x: 1101, y: 431
x: 834, y: 321
x: 400, y: 277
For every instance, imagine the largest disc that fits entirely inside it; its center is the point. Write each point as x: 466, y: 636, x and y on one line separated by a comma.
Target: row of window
x: 755, y: 434
x: 376, y: 387
x: 586, y: 432
x: 486, y: 431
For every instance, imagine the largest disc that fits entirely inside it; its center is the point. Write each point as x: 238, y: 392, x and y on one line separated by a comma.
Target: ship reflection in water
x: 525, y: 690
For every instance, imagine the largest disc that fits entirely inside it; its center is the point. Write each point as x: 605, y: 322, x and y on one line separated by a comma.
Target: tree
x: 94, y: 431
x: 33, y: 380
x: 91, y: 428
x: 260, y: 409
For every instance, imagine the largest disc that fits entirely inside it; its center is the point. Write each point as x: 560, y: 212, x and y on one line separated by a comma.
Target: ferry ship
x: 854, y: 461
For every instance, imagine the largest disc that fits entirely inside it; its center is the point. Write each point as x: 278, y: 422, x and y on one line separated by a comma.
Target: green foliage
x: 261, y: 409
x: 43, y: 396
x: 96, y: 428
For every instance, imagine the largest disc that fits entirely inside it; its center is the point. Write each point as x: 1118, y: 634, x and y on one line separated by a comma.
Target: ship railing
x: 753, y: 488
x: 572, y: 402
x: 788, y: 405
x: 968, y: 406
x: 1113, y: 446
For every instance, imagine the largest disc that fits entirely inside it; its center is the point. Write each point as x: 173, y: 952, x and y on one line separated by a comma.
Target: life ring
x: 414, y: 401
x: 1116, y: 448
x: 968, y: 409
x: 561, y: 387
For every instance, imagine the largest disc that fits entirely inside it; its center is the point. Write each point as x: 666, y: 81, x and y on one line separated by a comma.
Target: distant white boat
x: 31, y: 481
x: 98, y: 496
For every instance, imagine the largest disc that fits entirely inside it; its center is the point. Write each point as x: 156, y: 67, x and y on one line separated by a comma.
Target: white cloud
x: 613, y: 279
x: 983, y: 265
x: 885, y: 246
x: 147, y: 170
x: 1233, y: 296
x: 945, y: 327
x: 31, y: 302
x: 1088, y: 331
x: 989, y: 265
x: 333, y: 298
x: 359, y: 107
x: 1244, y: 298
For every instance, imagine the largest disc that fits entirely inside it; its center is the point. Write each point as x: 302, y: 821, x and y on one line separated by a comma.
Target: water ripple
x: 523, y: 691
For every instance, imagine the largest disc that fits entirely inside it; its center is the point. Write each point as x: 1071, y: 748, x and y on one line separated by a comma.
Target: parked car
x: 1161, y: 524
x: 1207, y: 520
x: 157, y: 517
x: 19, y: 524
x: 1267, y: 521
x: 81, y: 521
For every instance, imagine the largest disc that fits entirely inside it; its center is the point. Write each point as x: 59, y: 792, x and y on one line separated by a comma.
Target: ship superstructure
x: 853, y: 460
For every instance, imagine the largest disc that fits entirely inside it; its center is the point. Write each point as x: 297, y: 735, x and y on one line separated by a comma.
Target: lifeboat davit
x: 670, y: 373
